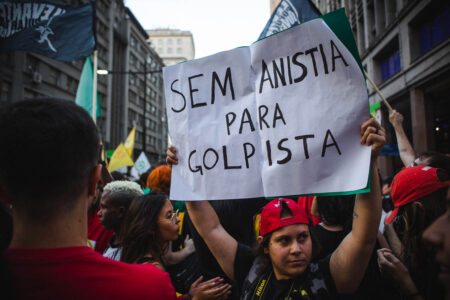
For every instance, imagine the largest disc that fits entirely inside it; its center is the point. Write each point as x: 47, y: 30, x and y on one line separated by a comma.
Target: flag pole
x: 378, y: 91
x: 94, y: 88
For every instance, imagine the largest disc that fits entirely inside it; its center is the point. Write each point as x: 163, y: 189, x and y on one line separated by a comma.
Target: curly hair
x: 120, y: 186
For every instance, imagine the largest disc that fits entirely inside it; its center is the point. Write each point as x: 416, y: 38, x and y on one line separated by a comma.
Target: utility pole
x: 144, y: 145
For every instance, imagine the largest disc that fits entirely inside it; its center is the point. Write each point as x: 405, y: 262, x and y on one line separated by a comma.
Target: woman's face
x: 168, y: 223
x: 290, y: 250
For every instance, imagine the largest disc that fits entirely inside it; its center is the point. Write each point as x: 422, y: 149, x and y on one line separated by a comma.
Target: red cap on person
x: 271, y: 219
x: 411, y: 184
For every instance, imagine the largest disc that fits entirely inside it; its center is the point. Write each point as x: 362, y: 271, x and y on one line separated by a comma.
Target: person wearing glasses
x: 149, y: 226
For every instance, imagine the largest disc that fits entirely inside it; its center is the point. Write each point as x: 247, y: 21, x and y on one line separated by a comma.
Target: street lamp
x: 145, y: 72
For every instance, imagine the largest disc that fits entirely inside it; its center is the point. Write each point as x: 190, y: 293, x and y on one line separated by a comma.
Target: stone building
x: 404, y: 46
x: 172, y: 45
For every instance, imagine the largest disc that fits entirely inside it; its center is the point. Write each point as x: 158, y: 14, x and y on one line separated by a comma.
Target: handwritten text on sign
x: 279, y: 117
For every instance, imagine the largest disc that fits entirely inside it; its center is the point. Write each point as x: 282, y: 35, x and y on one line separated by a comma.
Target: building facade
x: 172, y: 45
x: 126, y: 99
x: 404, y: 46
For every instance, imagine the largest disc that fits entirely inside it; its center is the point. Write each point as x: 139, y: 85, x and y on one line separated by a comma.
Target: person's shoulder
x: 95, y: 275
x: 139, y: 279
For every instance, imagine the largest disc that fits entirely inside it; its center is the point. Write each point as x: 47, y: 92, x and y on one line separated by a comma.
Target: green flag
x: 374, y: 107
x: 85, y: 88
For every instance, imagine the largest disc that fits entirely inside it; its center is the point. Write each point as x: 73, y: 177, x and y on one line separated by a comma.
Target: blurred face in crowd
x: 438, y: 235
x: 168, y: 223
x: 110, y: 215
x: 290, y: 250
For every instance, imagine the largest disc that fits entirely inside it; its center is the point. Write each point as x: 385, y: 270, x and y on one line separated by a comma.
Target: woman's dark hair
x: 436, y: 160
x: 258, y: 250
x: 417, y: 256
x: 416, y: 217
x: 140, y: 235
x: 336, y: 210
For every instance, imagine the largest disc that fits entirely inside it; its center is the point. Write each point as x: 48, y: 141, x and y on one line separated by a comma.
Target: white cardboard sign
x: 280, y: 117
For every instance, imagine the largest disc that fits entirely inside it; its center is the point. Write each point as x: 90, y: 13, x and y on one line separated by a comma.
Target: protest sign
x: 280, y: 117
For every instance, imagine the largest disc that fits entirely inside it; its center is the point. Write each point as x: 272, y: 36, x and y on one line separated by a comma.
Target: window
x: 32, y: 63
x: 179, y: 41
x: 435, y: 31
x: 63, y: 81
x: 169, y: 41
x: 133, y: 60
x: 179, y: 50
x: 388, y: 61
x: 169, y: 50
x: 5, y: 89
x: 139, y: 137
x: 53, y: 76
x: 390, y: 65
x: 73, y: 85
x: 133, y: 42
x: 132, y: 97
x: 131, y: 118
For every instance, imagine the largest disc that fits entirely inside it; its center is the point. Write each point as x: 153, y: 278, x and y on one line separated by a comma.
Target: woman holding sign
x: 282, y: 268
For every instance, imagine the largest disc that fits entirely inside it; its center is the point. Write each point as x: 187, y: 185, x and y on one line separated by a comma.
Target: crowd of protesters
x: 70, y: 230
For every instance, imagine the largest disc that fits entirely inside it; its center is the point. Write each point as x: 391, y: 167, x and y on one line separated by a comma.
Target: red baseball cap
x: 271, y: 219
x: 411, y: 184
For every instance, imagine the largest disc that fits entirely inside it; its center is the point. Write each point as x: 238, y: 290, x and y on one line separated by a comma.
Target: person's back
x: 49, y: 171
x: 81, y: 273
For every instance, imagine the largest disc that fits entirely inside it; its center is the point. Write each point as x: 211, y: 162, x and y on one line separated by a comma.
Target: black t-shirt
x: 327, y: 241
x: 373, y: 286
x: 316, y: 283
x: 236, y: 217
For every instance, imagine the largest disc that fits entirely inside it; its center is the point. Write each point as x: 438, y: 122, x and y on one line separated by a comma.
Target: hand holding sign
x: 372, y: 134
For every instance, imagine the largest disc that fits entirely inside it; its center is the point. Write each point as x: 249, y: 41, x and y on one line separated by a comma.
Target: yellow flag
x: 119, y: 159
x: 129, y: 143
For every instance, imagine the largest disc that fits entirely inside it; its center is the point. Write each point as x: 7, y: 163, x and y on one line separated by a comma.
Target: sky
x: 216, y: 25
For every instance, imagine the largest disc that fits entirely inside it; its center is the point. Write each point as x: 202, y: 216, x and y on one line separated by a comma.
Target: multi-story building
x: 405, y: 49
x: 173, y: 45
x: 126, y: 98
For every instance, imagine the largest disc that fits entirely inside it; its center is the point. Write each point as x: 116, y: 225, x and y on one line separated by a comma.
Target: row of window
x: 169, y: 50
x: 429, y: 34
x: 169, y: 41
x: 435, y: 31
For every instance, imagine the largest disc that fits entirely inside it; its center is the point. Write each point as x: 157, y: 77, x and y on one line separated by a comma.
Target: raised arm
x: 349, y: 261
x: 221, y: 244
x: 407, y: 154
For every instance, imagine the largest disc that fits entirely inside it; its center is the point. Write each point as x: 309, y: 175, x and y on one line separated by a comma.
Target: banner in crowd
x: 280, y: 117
x: 119, y: 159
x: 129, y: 142
x: 142, y: 164
x: 289, y: 13
x: 85, y: 89
x: 61, y: 32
